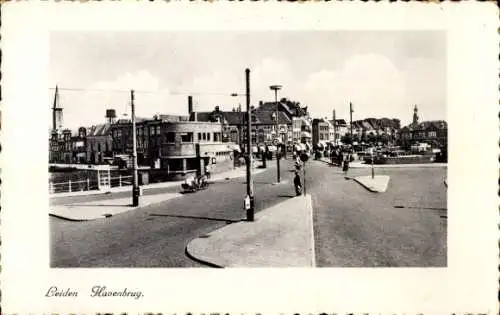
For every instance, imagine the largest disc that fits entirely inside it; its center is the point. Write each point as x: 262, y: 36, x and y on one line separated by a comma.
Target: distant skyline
x: 384, y: 74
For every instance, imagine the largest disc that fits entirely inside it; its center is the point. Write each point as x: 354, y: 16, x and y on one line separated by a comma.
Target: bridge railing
x: 102, y: 183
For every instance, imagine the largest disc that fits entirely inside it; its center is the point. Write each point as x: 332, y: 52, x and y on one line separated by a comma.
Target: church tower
x: 415, y: 115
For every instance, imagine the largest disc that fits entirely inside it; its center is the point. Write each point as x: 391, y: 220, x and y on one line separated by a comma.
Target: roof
x: 235, y: 118
x: 99, y: 130
x: 265, y: 117
x: 128, y: 120
x: 291, y: 108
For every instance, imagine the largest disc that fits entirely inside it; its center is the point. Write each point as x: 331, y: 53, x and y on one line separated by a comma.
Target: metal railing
x: 102, y: 183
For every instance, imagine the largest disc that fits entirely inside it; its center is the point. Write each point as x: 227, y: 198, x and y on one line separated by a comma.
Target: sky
x: 383, y: 74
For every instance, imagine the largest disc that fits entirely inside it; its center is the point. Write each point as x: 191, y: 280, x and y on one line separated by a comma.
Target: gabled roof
x: 265, y: 117
x: 366, y: 125
x: 99, y: 130
x: 235, y: 118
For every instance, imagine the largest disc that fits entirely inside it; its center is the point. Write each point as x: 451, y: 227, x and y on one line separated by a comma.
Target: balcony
x: 178, y: 150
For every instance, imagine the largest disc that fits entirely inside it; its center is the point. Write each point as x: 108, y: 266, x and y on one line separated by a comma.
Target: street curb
x: 198, y: 260
x: 67, y: 219
x: 313, y: 243
x: 370, y: 188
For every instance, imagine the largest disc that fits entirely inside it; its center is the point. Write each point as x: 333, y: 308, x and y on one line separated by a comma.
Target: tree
x: 346, y: 139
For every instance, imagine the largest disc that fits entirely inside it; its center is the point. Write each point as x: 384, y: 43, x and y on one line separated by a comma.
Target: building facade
x: 99, y: 144
x: 434, y: 133
x: 320, y: 132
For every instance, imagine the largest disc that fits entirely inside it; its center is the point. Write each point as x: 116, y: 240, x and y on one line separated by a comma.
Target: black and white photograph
x: 241, y: 157
x: 345, y: 164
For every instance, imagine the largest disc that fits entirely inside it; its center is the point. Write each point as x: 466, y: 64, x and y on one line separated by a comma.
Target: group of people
x: 341, y: 158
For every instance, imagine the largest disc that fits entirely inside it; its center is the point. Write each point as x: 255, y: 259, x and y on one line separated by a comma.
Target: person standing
x: 345, y: 166
x: 298, y: 184
x: 208, y: 170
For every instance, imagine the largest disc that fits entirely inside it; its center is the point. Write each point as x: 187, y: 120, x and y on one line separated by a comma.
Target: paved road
x: 156, y: 236
x: 405, y: 226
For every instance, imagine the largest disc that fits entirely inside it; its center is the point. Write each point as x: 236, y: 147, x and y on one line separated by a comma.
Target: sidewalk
x: 237, y: 172
x: 104, y: 208
x: 280, y: 236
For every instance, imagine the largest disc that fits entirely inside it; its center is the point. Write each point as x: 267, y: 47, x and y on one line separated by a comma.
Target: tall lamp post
x: 276, y: 88
x: 250, y: 196
x: 350, y: 122
x: 135, y: 187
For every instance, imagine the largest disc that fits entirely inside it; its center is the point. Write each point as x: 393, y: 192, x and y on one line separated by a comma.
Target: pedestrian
x: 298, y: 163
x: 298, y: 184
x: 208, y: 170
x: 345, y: 166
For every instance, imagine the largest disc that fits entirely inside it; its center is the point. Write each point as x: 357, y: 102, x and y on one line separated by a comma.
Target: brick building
x: 433, y: 132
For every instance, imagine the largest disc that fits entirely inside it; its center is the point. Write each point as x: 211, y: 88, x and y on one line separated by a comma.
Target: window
x: 204, y: 136
x: 432, y: 134
x: 152, y: 130
x: 321, y: 136
x: 99, y: 147
x: 187, y: 137
x: 208, y: 136
x: 199, y: 136
x: 158, y: 130
x: 170, y: 138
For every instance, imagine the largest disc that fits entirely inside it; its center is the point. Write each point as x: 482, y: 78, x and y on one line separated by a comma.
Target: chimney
x: 192, y: 114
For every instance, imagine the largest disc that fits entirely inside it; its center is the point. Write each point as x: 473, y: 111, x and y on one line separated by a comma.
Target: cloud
x: 88, y: 106
x: 371, y: 82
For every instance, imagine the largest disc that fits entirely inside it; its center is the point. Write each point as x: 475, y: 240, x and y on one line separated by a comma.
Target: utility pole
x: 334, y: 128
x: 350, y: 112
x: 275, y: 88
x: 135, y: 187
x: 250, y: 209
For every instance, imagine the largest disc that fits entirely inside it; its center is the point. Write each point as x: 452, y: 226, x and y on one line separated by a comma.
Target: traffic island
x: 280, y: 236
x: 378, y: 183
x: 101, y: 209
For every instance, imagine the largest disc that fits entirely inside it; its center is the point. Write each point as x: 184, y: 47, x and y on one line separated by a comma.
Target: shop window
x: 170, y: 138
x: 187, y: 137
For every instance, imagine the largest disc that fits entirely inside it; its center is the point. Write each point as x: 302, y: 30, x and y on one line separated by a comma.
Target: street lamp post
x: 250, y: 196
x: 350, y: 122
x: 135, y: 187
x: 276, y: 88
